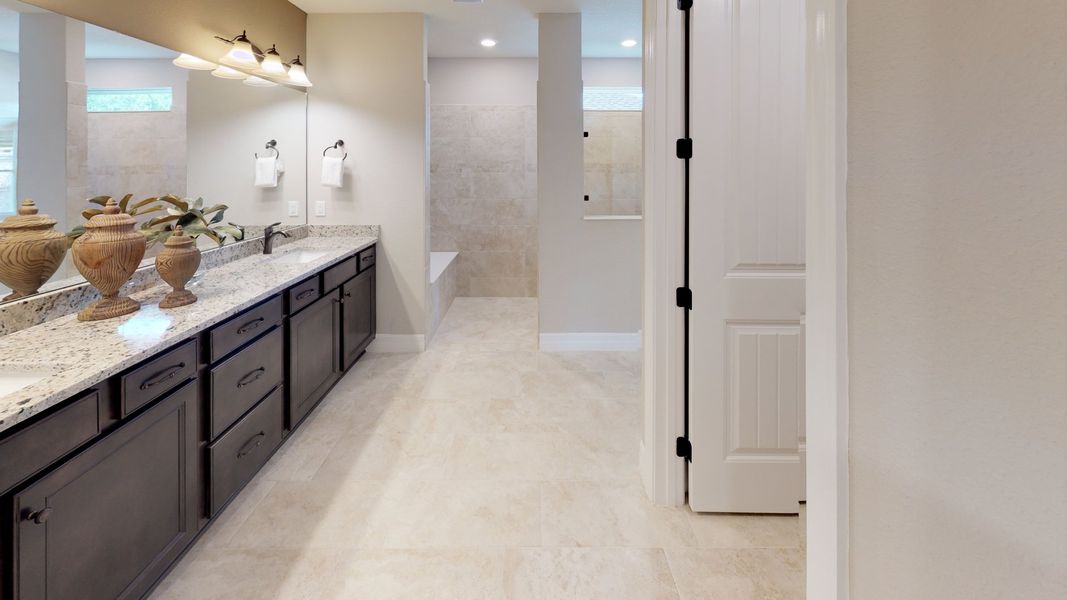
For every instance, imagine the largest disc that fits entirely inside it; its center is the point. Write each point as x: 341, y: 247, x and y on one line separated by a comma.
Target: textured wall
x: 613, y: 163
x: 957, y: 234
x: 483, y: 189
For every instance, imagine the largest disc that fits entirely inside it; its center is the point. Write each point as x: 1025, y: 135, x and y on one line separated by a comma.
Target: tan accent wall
x: 189, y: 25
x: 957, y: 292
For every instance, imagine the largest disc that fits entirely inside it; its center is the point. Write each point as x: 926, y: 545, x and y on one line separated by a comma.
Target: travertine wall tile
x: 483, y: 193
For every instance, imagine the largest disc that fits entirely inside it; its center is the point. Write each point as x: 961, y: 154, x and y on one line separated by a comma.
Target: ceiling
x: 99, y: 42
x: 456, y: 28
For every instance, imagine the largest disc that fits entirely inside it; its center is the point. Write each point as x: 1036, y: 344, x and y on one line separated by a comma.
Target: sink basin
x: 13, y: 379
x: 299, y: 257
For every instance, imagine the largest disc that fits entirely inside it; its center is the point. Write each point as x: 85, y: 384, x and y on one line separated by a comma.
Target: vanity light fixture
x: 224, y: 72
x: 258, y: 82
x: 188, y: 61
x: 272, y: 65
x: 488, y: 42
x: 629, y: 43
x: 297, y: 75
x: 241, y: 54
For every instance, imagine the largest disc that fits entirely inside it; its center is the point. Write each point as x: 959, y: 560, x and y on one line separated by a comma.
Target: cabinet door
x: 314, y: 354
x: 359, y: 316
x: 108, y: 522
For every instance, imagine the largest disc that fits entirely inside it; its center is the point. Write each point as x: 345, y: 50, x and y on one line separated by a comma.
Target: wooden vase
x: 107, y: 255
x: 176, y: 264
x: 30, y: 250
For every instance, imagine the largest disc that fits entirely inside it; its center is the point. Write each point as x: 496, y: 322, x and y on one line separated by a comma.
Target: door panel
x: 359, y: 316
x: 314, y: 354
x: 747, y: 257
x: 108, y: 522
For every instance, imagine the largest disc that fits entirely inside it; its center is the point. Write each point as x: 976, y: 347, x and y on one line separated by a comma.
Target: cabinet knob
x: 40, y: 517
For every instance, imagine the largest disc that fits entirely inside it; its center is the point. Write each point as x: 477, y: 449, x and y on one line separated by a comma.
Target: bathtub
x: 443, y: 267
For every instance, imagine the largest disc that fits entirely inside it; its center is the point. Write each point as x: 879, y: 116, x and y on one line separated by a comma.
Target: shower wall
x: 613, y: 178
x: 483, y: 191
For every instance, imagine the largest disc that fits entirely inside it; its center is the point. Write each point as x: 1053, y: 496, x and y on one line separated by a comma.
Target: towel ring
x: 340, y: 144
x: 272, y: 145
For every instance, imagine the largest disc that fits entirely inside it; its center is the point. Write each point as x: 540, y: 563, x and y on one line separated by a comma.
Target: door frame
x: 826, y: 369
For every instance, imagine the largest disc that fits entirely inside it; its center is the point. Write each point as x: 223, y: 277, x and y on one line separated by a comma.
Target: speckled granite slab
x: 72, y: 356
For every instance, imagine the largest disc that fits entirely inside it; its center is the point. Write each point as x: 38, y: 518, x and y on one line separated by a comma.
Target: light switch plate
x: 320, y: 208
x: 294, y: 210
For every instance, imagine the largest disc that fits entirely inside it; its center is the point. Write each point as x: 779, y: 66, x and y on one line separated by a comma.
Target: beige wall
x: 957, y: 233
x: 228, y: 124
x: 189, y: 25
x: 590, y: 279
x: 370, y: 91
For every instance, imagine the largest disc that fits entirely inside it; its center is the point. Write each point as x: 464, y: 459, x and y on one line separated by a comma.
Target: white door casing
x: 747, y: 259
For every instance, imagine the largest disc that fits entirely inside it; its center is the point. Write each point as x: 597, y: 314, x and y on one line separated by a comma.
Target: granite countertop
x: 72, y: 356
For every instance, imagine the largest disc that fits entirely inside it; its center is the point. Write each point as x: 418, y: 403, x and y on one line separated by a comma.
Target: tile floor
x: 481, y: 468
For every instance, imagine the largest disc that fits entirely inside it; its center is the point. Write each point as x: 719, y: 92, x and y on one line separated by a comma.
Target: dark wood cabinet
x: 101, y: 494
x: 314, y: 354
x: 109, y: 521
x: 358, y: 317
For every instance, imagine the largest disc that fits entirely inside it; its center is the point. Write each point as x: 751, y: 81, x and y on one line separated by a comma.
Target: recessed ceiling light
x: 629, y: 43
x: 489, y: 42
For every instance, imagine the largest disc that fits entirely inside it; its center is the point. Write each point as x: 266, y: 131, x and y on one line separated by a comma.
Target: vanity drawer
x: 366, y: 259
x: 340, y: 273
x: 243, y: 379
x: 156, y: 377
x: 244, y: 328
x: 304, y: 293
x: 32, y: 449
x: 237, y: 456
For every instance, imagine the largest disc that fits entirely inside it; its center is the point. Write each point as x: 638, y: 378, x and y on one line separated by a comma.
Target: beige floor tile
x: 745, y: 531
x: 730, y: 574
x: 588, y: 574
x: 609, y: 514
x: 387, y: 455
x: 458, y: 574
x: 246, y: 574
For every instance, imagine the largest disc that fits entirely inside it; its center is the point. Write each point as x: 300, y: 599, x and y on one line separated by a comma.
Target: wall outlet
x: 320, y: 208
x: 294, y: 210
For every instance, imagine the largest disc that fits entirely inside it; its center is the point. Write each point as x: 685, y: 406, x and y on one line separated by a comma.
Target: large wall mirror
x: 87, y: 113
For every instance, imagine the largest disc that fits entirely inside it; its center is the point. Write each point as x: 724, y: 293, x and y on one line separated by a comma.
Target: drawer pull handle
x: 249, y: 326
x: 162, y: 376
x: 249, y: 378
x: 306, y: 294
x: 40, y: 517
x: 253, y: 443
x: 348, y: 294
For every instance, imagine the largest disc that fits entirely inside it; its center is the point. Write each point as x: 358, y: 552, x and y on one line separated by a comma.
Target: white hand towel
x: 333, y: 171
x: 266, y: 172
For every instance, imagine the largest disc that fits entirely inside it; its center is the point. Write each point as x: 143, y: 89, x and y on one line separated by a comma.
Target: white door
x: 746, y: 411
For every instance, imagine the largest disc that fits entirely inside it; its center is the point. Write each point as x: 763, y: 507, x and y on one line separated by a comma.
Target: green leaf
x: 160, y: 220
x: 218, y: 217
x: 199, y: 203
x: 90, y: 213
x: 175, y: 201
x: 101, y: 200
x: 125, y: 200
x: 142, y: 203
x: 230, y: 230
x: 174, y: 212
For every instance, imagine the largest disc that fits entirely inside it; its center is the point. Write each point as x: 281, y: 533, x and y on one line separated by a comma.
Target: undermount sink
x: 13, y: 379
x: 299, y: 257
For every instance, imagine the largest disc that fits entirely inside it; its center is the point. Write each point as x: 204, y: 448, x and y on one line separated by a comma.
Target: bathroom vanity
x: 133, y: 434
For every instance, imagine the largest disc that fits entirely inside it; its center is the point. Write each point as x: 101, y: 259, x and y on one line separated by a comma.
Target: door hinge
x: 685, y: 4
x: 684, y: 298
x: 684, y: 449
x: 684, y: 148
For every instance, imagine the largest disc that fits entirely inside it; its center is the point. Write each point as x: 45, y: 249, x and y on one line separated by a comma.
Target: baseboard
x: 389, y: 343
x: 590, y: 342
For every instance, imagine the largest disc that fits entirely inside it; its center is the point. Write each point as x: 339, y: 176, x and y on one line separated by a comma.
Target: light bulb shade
x: 188, y: 61
x: 254, y: 81
x: 224, y: 72
x: 241, y: 54
x: 272, y: 65
x: 297, y: 75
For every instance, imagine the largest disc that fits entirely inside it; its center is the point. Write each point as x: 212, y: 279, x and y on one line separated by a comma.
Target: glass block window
x: 613, y: 98
x: 101, y: 100
x: 8, y: 129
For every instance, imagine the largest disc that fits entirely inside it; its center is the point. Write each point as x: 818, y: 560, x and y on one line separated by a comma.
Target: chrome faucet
x: 268, y: 237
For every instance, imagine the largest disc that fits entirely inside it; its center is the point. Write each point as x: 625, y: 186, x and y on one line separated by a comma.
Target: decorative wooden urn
x: 177, y: 263
x: 30, y: 250
x: 107, y: 255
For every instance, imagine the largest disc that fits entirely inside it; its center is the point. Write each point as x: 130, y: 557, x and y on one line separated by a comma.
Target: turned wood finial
x: 112, y: 207
x: 28, y: 207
